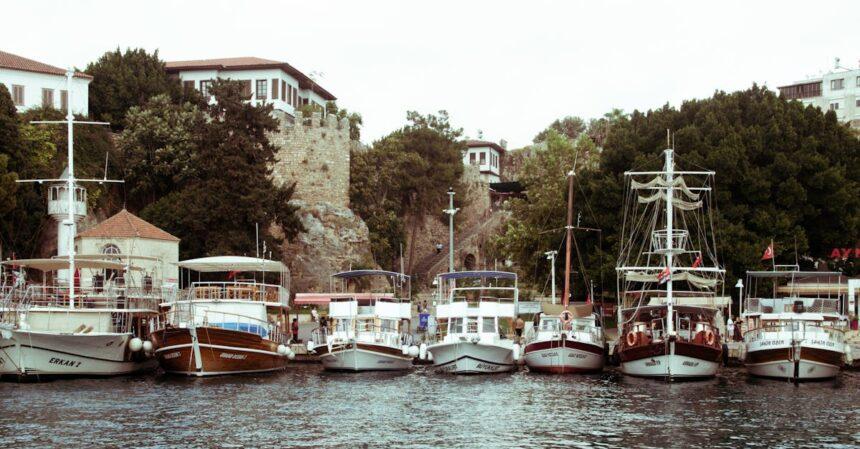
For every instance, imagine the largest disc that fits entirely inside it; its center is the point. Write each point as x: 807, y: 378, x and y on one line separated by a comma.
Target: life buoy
x: 565, y: 316
x: 710, y: 338
x: 632, y: 338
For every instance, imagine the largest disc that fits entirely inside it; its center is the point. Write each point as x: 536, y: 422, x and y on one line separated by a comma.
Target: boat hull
x: 363, y: 357
x: 562, y: 356
x: 37, y: 355
x: 472, y: 358
x: 215, y: 351
x: 800, y: 363
x: 672, y: 361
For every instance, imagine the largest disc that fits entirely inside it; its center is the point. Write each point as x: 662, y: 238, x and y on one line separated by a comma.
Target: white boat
x: 793, y: 333
x: 100, y: 330
x: 668, y: 276
x: 227, y: 327
x: 370, y: 331
x: 469, y: 317
x: 566, y: 341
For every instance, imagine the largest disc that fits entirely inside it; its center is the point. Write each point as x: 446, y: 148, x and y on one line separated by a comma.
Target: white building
x: 151, y: 248
x: 266, y: 81
x: 34, y: 84
x: 837, y: 90
x: 487, y: 156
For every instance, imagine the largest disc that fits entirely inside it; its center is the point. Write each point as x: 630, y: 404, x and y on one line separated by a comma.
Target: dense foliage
x: 212, y: 175
x: 403, y: 178
x: 122, y: 80
x: 783, y: 171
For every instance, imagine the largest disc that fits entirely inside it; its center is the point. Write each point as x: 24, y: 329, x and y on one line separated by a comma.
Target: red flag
x: 768, y: 253
x: 232, y: 274
x: 664, y: 275
x: 697, y: 262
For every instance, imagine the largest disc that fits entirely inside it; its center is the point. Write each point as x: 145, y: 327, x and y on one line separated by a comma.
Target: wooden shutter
x: 284, y: 90
x: 275, y: 85
x: 64, y: 100
x: 246, y: 89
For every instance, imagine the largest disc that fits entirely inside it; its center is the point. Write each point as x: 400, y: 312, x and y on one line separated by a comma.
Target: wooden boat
x: 227, y: 327
x: 668, y: 276
x: 469, y: 317
x: 793, y: 333
x: 568, y: 340
x: 370, y: 332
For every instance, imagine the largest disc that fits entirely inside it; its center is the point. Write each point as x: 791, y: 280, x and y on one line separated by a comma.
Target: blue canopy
x: 478, y: 275
x: 363, y: 273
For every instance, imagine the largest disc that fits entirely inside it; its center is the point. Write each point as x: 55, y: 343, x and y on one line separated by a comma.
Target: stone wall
x: 313, y: 153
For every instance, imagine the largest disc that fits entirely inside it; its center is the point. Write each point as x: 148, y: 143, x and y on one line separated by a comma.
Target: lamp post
x: 740, y: 287
x: 451, y: 211
x: 550, y: 256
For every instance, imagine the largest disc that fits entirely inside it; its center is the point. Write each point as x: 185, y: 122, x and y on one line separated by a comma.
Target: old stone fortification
x: 315, y: 153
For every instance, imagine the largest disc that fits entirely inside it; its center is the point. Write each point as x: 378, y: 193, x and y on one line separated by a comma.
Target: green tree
x: 216, y: 207
x: 401, y: 180
x: 125, y: 79
x: 570, y: 127
x: 157, y: 146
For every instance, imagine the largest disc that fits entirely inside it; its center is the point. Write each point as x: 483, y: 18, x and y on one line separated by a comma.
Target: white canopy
x: 63, y: 264
x: 220, y: 264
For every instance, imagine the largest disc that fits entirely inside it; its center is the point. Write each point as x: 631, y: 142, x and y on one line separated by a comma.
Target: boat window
x: 472, y: 325
x: 488, y: 324
x: 549, y: 325
x: 456, y: 326
x: 364, y: 325
x: 389, y: 326
x: 343, y: 325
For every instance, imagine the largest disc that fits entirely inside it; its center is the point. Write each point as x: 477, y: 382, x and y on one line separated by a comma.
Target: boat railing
x: 114, y: 297
x: 786, y: 305
x: 800, y: 330
x: 238, y: 290
x: 367, y: 334
x: 576, y: 331
x: 184, y: 315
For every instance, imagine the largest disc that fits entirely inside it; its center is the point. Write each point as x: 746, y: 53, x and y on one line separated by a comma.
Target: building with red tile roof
x: 35, y: 84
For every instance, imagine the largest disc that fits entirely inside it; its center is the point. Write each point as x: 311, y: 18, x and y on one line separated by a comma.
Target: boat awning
x: 478, y: 275
x: 325, y: 298
x: 363, y: 273
x: 713, y: 301
x: 63, y: 264
x: 220, y: 264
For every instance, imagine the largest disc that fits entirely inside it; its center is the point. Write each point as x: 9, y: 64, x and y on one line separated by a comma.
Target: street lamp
x: 550, y: 256
x: 740, y: 287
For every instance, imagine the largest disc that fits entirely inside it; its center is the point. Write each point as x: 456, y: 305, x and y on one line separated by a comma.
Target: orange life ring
x: 710, y: 338
x: 632, y: 337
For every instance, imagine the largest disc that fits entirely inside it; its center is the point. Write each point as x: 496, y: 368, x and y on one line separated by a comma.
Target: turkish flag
x: 768, y: 253
x: 697, y: 262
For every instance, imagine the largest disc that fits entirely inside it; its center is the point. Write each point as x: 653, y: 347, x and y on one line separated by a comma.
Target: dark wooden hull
x: 222, y: 351
x: 688, y: 349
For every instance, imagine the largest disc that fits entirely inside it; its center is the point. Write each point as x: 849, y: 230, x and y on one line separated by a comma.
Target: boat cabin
x: 477, y: 304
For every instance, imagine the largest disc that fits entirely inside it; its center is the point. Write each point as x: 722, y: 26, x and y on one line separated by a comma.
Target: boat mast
x: 670, y: 169
x: 569, y: 234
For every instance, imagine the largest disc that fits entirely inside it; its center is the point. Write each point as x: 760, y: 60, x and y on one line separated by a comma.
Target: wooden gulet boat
x: 793, y: 333
x: 369, y: 332
x: 571, y: 342
x: 228, y: 327
x: 668, y: 331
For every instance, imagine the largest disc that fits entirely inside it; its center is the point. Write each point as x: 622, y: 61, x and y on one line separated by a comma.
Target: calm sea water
x: 306, y: 407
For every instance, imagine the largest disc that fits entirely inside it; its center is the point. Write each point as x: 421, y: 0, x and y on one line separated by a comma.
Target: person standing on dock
x: 295, y: 329
x: 518, y: 328
x: 315, y: 315
x: 730, y: 328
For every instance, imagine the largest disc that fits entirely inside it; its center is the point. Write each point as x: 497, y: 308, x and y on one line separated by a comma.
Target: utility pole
x: 550, y: 256
x: 451, y: 211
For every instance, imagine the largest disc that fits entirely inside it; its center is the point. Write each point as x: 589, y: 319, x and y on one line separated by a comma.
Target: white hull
x: 563, y: 360
x: 806, y: 370
x: 773, y: 356
x: 670, y: 367
x: 356, y: 359
x: 24, y: 353
x: 472, y: 358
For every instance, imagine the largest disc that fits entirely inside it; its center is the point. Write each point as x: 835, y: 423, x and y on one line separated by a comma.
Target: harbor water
x: 307, y: 407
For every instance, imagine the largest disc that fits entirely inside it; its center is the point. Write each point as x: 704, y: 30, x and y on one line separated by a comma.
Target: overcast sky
x: 506, y: 68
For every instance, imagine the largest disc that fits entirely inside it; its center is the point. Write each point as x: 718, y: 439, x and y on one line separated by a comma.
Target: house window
x: 837, y: 84
x: 858, y: 81
x: 471, y: 158
x: 857, y: 102
x: 262, y: 89
x: 187, y: 86
x: 204, y: 88
x: 246, y: 89
x: 834, y: 106
x: 64, y: 100
x: 483, y: 157
x: 48, y: 98
x: 18, y: 95
x: 283, y: 90
x: 110, y: 248
x: 275, y: 86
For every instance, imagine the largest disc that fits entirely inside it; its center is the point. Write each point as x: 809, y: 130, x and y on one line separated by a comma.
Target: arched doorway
x: 469, y: 262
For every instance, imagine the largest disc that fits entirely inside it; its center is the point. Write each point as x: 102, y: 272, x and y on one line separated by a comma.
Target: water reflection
x: 306, y: 407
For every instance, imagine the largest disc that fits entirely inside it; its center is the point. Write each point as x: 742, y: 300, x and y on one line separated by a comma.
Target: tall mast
x: 569, y: 234
x: 670, y: 172
x: 70, y: 220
